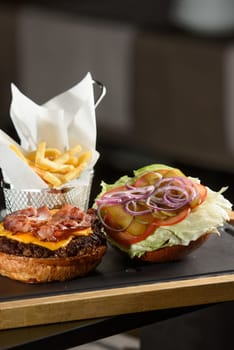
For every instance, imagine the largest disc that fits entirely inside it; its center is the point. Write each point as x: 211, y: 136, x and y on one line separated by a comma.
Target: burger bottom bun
x: 174, y: 253
x: 38, y: 270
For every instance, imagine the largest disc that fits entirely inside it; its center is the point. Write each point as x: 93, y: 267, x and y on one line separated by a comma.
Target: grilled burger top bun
x: 42, y: 245
x: 160, y: 214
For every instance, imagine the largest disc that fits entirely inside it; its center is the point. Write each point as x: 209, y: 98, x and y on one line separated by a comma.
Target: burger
x: 42, y: 245
x: 160, y: 214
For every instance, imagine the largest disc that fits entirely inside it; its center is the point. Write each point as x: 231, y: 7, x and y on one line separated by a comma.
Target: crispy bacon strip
x: 45, y: 225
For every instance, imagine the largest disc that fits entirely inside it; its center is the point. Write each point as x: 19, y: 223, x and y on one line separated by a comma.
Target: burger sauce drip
x: 45, y: 225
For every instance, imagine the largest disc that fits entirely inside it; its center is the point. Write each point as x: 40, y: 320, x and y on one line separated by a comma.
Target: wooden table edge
x: 117, y: 301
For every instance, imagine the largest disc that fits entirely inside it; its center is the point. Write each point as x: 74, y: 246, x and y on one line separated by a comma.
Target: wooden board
x: 120, y: 286
x: 87, y: 305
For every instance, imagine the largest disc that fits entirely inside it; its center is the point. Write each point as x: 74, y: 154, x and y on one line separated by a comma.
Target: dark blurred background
x: 168, y: 67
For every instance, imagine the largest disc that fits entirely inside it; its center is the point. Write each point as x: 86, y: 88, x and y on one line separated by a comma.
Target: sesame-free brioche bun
x: 39, y: 270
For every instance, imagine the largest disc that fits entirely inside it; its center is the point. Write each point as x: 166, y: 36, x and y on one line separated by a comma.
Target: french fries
x: 53, y: 166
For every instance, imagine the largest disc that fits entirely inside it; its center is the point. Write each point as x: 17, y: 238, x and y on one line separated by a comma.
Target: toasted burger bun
x: 38, y: 270
x: 231, y: 218
x: 173, y: 253
x: 36, y: 262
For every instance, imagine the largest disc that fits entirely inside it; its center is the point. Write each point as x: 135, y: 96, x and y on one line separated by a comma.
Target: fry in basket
x: 69, y: 157
x: 82, y: 163
x: 50, y: 153
x: 18, y: 152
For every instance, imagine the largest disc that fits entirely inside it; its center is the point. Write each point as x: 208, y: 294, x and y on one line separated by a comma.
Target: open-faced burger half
x: 160, y: 214
x: 42, y: 245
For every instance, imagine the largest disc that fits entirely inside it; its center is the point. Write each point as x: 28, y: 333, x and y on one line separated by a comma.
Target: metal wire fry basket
x: 77, y: 195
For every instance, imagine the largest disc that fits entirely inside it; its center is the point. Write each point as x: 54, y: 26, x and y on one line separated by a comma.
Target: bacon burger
x: 42, y: 245
x: 159, y: 214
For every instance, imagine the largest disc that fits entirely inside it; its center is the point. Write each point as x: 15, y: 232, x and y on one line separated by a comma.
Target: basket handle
x: 101, y: 94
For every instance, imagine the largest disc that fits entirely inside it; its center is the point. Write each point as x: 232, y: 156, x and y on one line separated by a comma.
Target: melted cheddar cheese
x: 29, y: 238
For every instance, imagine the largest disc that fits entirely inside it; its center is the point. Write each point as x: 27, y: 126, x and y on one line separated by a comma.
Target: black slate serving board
x: 214, y: 257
